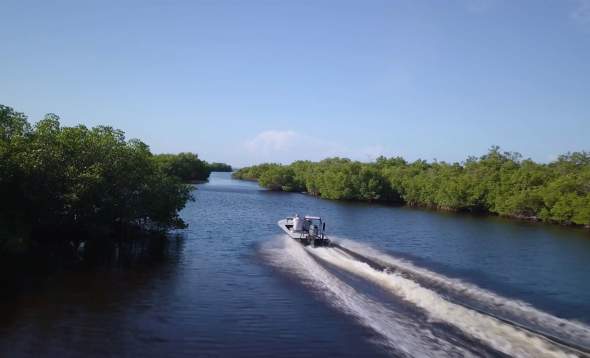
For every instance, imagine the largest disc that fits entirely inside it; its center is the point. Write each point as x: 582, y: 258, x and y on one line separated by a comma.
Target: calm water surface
x: 231, y: 285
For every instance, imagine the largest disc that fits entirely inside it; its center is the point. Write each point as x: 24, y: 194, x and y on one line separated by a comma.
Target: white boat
x: 308, y: 230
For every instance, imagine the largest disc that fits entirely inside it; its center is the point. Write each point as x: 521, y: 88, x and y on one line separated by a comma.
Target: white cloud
x: 288, y: 146
x: 272, y: 140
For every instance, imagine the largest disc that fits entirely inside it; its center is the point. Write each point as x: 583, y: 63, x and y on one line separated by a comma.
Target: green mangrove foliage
x: 188, y: 167
x: 220, y: 167
x: 498, y: 182
x: 185, y: 166
x: 61, y: 184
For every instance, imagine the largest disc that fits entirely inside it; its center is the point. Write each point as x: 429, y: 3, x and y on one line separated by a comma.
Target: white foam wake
x: 510, y: 308
x: 496, y: 334
x: 399, y: 333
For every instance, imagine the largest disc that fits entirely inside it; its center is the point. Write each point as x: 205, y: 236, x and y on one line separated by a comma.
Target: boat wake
x: 505, y: 326
x: 398, y: 332
x: 517, y: 312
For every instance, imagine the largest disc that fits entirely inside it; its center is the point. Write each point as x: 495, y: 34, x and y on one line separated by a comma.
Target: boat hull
x: 303, y: 237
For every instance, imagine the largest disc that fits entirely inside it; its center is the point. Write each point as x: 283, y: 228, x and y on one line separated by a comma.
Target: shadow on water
x: 84, y: 300
x: 146, y: 250
x: 34, y: 273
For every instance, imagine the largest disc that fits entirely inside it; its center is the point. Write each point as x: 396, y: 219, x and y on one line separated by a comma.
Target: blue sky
x: 251, y: 81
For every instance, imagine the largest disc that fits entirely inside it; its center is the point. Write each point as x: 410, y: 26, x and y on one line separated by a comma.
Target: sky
x: 245, y: 82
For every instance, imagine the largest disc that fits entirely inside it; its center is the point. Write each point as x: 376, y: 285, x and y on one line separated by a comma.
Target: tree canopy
x: 498, y: 182
x: 59, y: 183
x: 185, y: 166
x: 220, y: 167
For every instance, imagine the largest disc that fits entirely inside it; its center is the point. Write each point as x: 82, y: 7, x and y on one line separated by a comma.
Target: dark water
x: 231, y: 285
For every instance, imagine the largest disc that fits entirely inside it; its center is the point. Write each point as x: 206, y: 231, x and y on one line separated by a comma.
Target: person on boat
x: 297, y: 223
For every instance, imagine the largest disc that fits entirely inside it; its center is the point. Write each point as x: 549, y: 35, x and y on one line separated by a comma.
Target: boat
x: 308, y: 230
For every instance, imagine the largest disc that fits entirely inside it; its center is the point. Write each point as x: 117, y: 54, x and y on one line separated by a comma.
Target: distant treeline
x: 188, y: 167
x: 220, y: 167
x: 185, y: 166
x: 61, y: 185
x: 499, y: 183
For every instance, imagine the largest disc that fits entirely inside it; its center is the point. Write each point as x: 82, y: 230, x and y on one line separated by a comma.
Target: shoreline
x: 519, y: 218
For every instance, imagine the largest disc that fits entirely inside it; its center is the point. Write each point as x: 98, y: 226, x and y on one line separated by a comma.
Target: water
x: 405, y: 283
